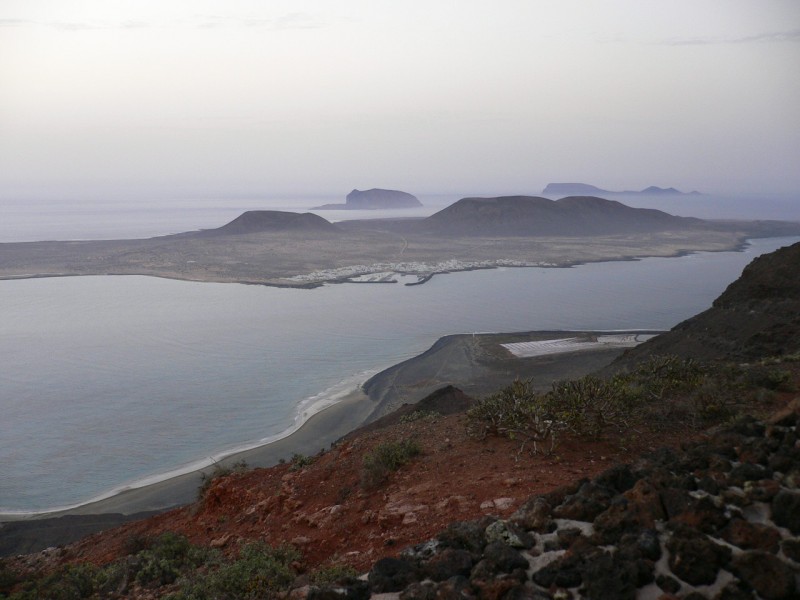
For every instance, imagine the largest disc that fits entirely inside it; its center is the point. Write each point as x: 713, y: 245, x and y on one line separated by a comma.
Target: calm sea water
x: 25, y: 220
x: 108, y: 380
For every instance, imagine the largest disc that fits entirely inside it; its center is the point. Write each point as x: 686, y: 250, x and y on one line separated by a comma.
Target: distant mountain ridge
x: 533, y: 215
x: 573, y: 189
x: 373, y: 199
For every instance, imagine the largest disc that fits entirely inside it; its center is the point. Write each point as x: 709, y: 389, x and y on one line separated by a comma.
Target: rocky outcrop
x: 259, y: 221
x: 531, y: 215
x: 757, y: 316
x: 719, y: 520
x: 373, y: 199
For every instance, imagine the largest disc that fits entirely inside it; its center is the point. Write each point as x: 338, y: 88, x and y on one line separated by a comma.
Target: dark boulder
x: 751, y: 536
x: 786, y: 510
x: 694, y: 558
x: 448, y: 563
x: 770, y: 577
x: 391, y: 575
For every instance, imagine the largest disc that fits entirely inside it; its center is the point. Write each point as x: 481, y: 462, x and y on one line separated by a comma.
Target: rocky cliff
x: 757, y: 316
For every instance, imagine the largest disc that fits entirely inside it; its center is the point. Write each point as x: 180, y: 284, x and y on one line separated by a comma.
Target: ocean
x: 106, y: 381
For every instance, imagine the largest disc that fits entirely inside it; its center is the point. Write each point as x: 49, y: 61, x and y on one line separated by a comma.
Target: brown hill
x: 531, y: 215
x: 758, y: 315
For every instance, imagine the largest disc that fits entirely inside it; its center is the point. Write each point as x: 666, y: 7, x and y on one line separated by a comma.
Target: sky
x: 146, y: 98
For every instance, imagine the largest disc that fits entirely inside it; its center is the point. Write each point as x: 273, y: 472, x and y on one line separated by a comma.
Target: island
x: 374, y: 199
x: 568, y: 189
x: 286, y: 249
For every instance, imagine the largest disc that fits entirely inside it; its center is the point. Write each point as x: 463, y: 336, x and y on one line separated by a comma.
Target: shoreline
x: 423, y: 270
x: 470, y: 361
x: 160, y: 492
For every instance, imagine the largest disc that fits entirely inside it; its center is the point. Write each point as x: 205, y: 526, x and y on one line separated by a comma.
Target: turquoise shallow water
x: 108, y: 380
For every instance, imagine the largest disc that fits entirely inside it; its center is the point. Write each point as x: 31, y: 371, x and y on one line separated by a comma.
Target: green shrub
x: 418, y: 415
x: 260, y: 572
x: 592, y: 406
x: 385, y: 459
x: 72, y: 582
x: 300, y: 461
x: 779, y: 380
x: 517, y: 412
x: 663, y: 376
x: 169, y: 556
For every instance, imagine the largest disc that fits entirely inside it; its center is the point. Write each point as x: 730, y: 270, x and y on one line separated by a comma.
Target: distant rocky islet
x: 374, y: 199
x: 573, y: 189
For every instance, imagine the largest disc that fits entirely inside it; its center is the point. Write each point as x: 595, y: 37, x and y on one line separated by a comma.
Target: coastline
x: 315, y: 433
x: 232, y: 260
x: 476, y: 363
x: 424, y: 272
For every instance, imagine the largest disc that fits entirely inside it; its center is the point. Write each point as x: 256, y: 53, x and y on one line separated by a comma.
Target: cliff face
x: 531, y: 215
x: 758, y: 315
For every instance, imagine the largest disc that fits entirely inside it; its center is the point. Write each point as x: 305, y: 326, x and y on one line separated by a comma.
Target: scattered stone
x: 221, y: 541
x: 694, y: 558
x: 503, y: 503
x: 455, y: 588
x: 505, y: 557
x: 719, y: 516
x: 609, y: 577
x: 639, y: 508
x: 644, y: 545
x: 618, y: 477
x: 762, y: 491
x: 508, y: 533
x: 425, y: 590
x: 465, y: 535
x: 535, y: 515
x: 449, y: 563
x: 734, y: 591
x: 751, y: 536
x: 668, y: 584
x: 589, y: 501
x: 786, y: 510
x: 391, y: 575
x: 747, y: 472
x: 791, y: 548
x: 567, y: 536
x: 770, y: 577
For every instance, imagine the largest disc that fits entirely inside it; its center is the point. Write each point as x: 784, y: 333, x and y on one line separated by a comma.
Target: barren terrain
x: 301, y: 259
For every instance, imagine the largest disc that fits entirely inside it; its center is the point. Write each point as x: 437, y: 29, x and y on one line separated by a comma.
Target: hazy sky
x: 272, y: 97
